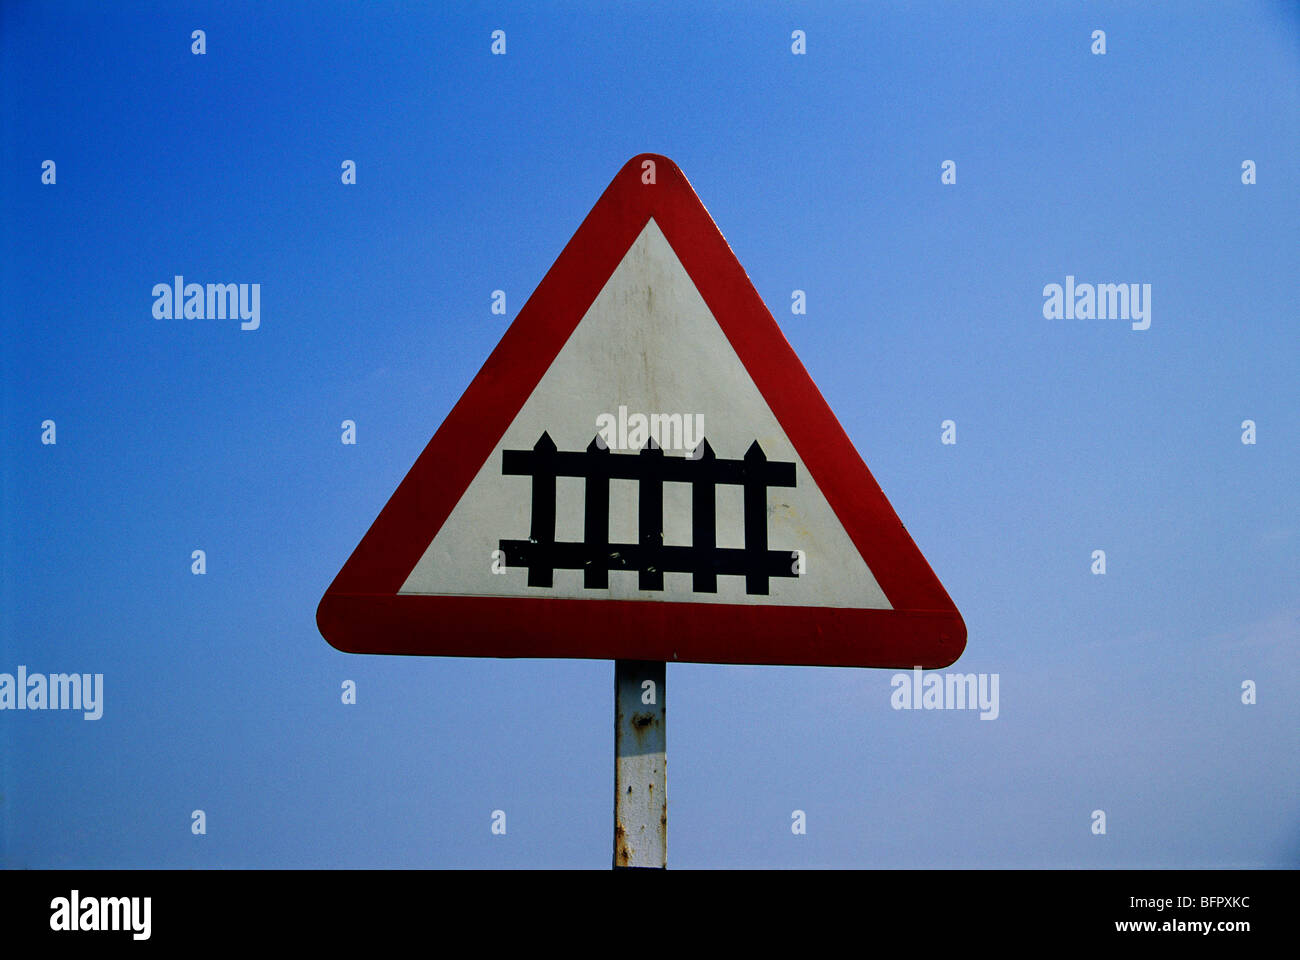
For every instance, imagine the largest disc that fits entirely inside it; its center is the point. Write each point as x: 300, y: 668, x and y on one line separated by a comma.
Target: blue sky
x: 1119, y: 692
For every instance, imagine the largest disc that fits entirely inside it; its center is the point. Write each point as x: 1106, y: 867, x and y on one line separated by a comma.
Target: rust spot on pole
x: 622, y: 855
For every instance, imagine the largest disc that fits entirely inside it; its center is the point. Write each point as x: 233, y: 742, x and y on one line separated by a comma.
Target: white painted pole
x: 640, y: 765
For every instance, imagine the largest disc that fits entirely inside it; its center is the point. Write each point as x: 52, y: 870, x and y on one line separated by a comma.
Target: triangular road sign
x: 643, y: 470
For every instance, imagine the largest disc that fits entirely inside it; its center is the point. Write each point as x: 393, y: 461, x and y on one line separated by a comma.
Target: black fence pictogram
x: 542, y: 554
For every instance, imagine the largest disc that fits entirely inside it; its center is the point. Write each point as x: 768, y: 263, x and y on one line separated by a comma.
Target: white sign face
x: 647, y: 359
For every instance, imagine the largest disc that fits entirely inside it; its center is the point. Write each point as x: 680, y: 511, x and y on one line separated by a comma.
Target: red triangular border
x: 362, y: 612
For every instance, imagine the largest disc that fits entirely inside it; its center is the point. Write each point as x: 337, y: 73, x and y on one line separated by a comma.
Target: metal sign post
x: 640, y: 765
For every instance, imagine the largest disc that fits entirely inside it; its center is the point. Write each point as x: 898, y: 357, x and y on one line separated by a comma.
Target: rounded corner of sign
x: 952, y: 641
x: 650, y: 155
x: 637, y: 164
x: 330, y: 627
